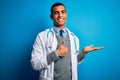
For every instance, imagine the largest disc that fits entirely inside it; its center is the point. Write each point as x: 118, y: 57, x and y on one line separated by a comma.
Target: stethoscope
x: 51, y: 42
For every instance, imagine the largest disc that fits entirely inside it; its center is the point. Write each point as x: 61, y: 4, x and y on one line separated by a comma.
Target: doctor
x: 56, y: 50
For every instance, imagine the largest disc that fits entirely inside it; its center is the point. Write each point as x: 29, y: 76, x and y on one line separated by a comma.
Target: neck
x: 60, y: 27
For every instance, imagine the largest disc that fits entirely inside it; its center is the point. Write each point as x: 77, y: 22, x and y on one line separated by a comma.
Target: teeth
x: 60, y: 19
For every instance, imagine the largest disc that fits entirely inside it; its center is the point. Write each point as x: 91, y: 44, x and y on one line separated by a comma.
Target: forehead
x: 58, y: 8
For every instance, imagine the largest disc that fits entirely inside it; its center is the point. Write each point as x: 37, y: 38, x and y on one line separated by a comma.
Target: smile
x: 60, y: 19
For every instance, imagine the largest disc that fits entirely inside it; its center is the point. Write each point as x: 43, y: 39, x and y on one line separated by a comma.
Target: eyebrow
x: 58, y: 11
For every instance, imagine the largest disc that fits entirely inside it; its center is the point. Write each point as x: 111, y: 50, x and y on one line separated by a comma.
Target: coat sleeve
x: 38, y: 55
x: 80, y: 56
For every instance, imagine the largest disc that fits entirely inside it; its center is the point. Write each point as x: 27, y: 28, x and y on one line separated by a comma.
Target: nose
x: 60, y: 14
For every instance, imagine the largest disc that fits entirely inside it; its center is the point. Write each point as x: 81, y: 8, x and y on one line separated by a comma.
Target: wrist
x: 83, y: 51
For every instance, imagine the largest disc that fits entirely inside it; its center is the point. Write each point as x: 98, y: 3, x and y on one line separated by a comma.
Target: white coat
x: 44, y: 44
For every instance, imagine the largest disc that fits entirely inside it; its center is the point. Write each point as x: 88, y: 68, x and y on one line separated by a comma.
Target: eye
x: 63, y: 11
x: 55, y: 12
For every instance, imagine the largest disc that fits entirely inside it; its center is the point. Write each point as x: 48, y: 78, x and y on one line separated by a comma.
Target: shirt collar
x: 57, y: 30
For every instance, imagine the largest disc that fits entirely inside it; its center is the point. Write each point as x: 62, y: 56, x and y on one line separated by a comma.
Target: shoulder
x: 72, y: 33
x: 75, y: 36
x: 44, y: 32
x: 42, y: 35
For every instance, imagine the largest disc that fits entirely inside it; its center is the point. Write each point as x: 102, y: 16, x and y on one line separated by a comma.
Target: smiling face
x: 59, y: 16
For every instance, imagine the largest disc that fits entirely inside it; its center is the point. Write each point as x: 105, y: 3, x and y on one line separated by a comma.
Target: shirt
x: 57, y: 30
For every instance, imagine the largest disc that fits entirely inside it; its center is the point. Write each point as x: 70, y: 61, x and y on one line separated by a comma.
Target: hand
x: 90, y: 48
x: 62, y: 50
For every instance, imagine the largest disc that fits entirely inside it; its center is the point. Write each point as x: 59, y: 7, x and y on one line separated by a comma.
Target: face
x: 59, y: 16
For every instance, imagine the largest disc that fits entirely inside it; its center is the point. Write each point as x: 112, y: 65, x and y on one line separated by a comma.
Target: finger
x: 99, y: 47
x: 66, y: 49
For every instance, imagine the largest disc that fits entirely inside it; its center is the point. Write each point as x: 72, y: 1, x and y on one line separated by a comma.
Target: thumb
x: 63, y: 42
x: 91, y: 45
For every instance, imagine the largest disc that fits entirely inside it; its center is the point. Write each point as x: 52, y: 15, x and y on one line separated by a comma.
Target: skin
x: 59, y: 18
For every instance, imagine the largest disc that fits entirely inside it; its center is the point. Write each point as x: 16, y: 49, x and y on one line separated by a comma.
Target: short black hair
x: 56, y: 4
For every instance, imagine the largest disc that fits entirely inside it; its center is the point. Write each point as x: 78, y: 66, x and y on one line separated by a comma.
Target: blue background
x: 93, y: 21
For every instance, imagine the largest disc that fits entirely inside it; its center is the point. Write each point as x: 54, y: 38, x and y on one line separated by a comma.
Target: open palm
x: 90, y: 48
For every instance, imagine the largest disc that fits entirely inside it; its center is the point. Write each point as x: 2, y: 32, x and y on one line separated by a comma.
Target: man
x: 56, y: 51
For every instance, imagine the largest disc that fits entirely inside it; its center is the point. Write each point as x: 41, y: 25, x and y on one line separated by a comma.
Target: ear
x: 51, y: 17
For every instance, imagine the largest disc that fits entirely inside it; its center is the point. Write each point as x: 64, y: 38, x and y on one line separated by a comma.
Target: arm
x: 39, y: 59
x: 56, y: 55
x: 85, y: 50
x: 38, y: 56
x: 90, y: 49
x: 80, y: 57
